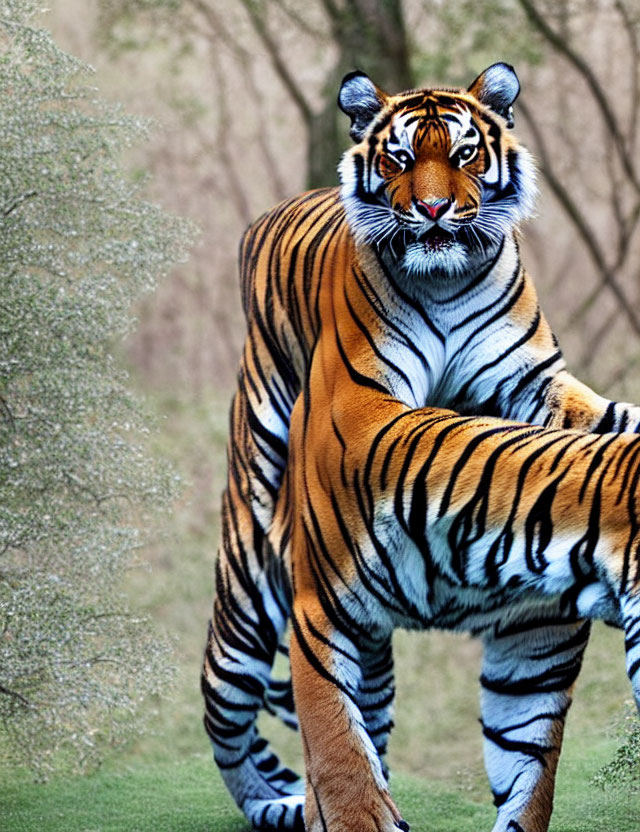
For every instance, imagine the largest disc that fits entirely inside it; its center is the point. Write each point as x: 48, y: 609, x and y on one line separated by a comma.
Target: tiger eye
x: 402, y: 157
x: 465, y: 154
x: 388, y: 166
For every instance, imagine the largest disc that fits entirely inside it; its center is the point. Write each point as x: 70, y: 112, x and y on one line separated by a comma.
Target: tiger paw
x: 284, y: 814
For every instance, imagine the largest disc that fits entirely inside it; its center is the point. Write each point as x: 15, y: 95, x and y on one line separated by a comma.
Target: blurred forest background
x: 246, y: 92
x: 245, y: 96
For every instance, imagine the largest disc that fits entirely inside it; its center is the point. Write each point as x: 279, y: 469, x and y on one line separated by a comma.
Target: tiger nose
x: 433, y: 208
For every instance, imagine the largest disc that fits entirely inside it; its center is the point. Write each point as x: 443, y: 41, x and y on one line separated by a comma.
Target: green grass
x: 166, y: 797
x: 166, y: 780
x: 188, y: 796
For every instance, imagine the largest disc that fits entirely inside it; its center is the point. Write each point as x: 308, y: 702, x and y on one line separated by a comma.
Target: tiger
x: 512, y: 532
x: 368, y: 306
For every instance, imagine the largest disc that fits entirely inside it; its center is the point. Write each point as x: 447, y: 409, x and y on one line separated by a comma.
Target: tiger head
x: 436, y: 178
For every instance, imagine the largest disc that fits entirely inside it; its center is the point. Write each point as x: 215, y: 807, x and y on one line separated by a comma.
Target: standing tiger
x: 354, y: 503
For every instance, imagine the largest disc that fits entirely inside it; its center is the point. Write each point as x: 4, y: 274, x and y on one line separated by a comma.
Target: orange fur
x: 332, y: 469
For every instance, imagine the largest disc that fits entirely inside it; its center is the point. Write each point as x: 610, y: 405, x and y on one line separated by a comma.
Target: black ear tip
x: 505, y: 65
x: 356, y: 73
x: 361, y: 100
x: 357, y: 90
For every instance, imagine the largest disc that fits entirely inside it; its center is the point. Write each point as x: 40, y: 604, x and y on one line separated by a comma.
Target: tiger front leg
x: 527, y: 676
x: 377, y: 692
x: 572, y: 404
x: 346, y: 787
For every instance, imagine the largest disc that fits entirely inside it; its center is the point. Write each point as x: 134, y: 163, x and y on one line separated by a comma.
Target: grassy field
x: 166, y: 779
x: 188, y: 796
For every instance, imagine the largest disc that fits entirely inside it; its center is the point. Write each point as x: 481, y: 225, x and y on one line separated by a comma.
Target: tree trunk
x: 371, y: 36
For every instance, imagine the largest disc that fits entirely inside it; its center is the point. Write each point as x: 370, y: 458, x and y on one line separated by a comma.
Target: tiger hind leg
x: 269, y: 793
x: 375, y: 696
x: 278, y: 697
x: 248, y: 621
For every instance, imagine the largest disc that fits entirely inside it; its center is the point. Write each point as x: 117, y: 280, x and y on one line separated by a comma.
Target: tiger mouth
x: 436, y: 238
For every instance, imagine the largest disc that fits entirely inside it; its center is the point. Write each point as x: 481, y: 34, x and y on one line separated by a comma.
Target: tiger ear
x: 498, y: 88
x: 361, y: 100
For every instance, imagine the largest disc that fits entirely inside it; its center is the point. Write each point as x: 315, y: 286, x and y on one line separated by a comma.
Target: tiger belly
x: 439, y: 586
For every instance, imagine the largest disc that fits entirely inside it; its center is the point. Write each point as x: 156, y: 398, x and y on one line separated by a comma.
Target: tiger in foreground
x: 357, y: 503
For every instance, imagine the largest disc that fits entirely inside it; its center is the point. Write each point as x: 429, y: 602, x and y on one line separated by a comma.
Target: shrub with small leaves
x: 78, y: 245
x: 624, y: 770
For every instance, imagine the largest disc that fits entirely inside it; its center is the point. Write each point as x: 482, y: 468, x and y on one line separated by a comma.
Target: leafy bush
x: 77, y: 246
x: 623, y: 772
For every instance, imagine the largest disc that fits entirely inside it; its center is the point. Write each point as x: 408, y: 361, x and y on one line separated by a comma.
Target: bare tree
x: 263, y: 76
x: 266, y: 74
x: 609, y: 254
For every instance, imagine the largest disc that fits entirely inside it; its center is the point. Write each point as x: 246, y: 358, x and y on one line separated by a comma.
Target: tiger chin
x: 435, y: 181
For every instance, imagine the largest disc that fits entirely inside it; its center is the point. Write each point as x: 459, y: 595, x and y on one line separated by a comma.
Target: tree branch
x: 15, y: 695
x: 16, y: 201
x: 218, y: 28
x: 333, y: 12
x: 620, y: 374
x: 634, y: 45
x: 299, y: 21
x: 561, y: 193
x: 270, y: 161
x: 259, y: 24
x: 580, y: 224
x: 576, y: 60
x: 236, y: 190
x: 6, y: 413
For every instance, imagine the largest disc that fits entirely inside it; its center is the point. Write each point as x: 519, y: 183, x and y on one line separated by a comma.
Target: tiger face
x: 435, y: 178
